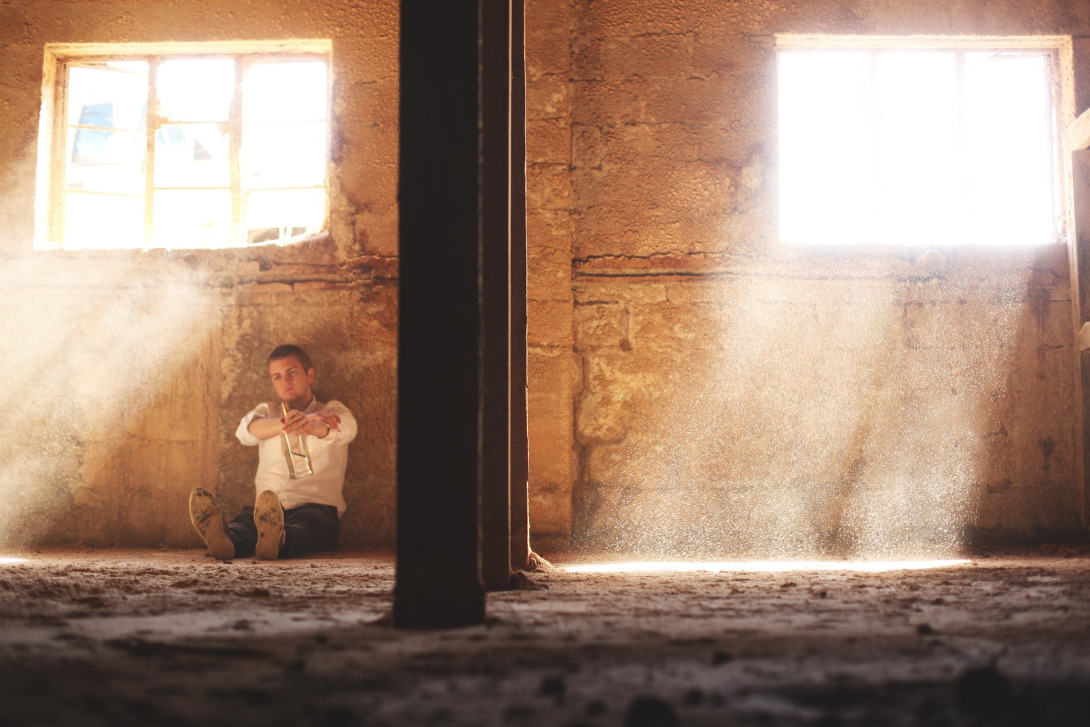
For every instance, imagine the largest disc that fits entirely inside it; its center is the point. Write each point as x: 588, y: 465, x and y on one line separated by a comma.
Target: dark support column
x: 438, y: 579
x: 1078, y: 257
x: 520, y: 457
x: 1079, y: 267
x: 496, y: 214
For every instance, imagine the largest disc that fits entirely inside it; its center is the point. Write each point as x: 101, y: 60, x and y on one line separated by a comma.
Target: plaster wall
x: 130, y: 370
x: 738, y: 396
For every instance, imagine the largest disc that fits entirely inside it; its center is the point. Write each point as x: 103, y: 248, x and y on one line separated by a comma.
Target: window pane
x: 111, y: 162
x: 103, y: 221
x: 1009, y: 143
x: 218, y: 143
x: 196, y: 89
x: 920, y: 179
x: 191, y: 155
x: 105, y: 143
x: 199, y: 218
x: 108, y: 95
x: 284, y: 155
x: 283, y: 213
x: 286, y: 91
x: 95, y: 147
x: 917, y: 147
x: 826, y: 147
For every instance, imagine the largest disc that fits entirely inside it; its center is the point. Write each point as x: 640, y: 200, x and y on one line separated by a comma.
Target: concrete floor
x: 174, y: 638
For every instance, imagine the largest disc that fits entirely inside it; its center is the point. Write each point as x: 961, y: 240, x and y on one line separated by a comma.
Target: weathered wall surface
x: 694, y: 385
x: 736, y: 396
x: 129, y: 371
x: 549, y: 289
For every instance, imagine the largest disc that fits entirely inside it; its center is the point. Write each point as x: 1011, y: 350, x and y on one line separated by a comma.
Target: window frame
x: 52, y: 147
x: 1057, y: 49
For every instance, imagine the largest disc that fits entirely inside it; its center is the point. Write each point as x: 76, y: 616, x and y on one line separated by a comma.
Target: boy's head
x: 292, y: 374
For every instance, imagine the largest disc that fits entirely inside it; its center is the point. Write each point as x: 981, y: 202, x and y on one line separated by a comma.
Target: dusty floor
x: 173, y: 638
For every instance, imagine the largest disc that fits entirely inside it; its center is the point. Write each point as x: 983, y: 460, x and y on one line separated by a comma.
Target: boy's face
x: 291, y: 381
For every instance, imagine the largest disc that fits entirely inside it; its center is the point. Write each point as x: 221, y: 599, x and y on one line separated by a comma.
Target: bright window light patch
x: 762, y: 566
x: 917, y: 147
x: 189, y: 152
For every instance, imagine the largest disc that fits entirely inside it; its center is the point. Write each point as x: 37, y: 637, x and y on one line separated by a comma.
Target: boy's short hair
x: 290, y: 349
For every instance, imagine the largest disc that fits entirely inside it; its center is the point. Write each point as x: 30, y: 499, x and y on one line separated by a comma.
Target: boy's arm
x: 261, y: 420
x: 343, y: 429
x: 265, y: 428
x: 319, y: 424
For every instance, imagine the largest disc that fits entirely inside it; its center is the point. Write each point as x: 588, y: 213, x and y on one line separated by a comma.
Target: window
x: 918, y: 145
x: 187, y: 150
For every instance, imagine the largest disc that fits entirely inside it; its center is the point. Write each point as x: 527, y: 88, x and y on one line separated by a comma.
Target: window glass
x: 1009, y: 146
x: 282, y: 155
x: 286, y: 91
x: 192, y: 218
x: 288, y: 213
x: 827, y: 155
x: 99, y: 221
x: 162, y: 175
x: 196, y: 89
x: 916, y: 147
x: 917, y: 133
x: 105, y: 141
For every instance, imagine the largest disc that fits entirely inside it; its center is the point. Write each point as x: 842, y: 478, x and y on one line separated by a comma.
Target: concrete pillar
x: 438, y: 580
x: 462, y: 353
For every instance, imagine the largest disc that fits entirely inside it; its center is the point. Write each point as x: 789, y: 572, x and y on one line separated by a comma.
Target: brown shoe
x: 269, y: 519
x: 206, y: 517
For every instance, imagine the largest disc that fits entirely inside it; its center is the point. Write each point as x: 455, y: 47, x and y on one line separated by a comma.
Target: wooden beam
x: 1077, y: 136
x: 1077, y: 140
x: 1084, y: 337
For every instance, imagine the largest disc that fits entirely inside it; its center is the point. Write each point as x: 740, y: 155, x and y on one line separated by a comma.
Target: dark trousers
x: 310, y: 528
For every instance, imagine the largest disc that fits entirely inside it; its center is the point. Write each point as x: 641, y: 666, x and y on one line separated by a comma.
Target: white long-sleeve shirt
x: 328, y: 458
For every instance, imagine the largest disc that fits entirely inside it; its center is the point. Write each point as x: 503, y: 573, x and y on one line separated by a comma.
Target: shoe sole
x: 269, y: 519
x: 208, y: 521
